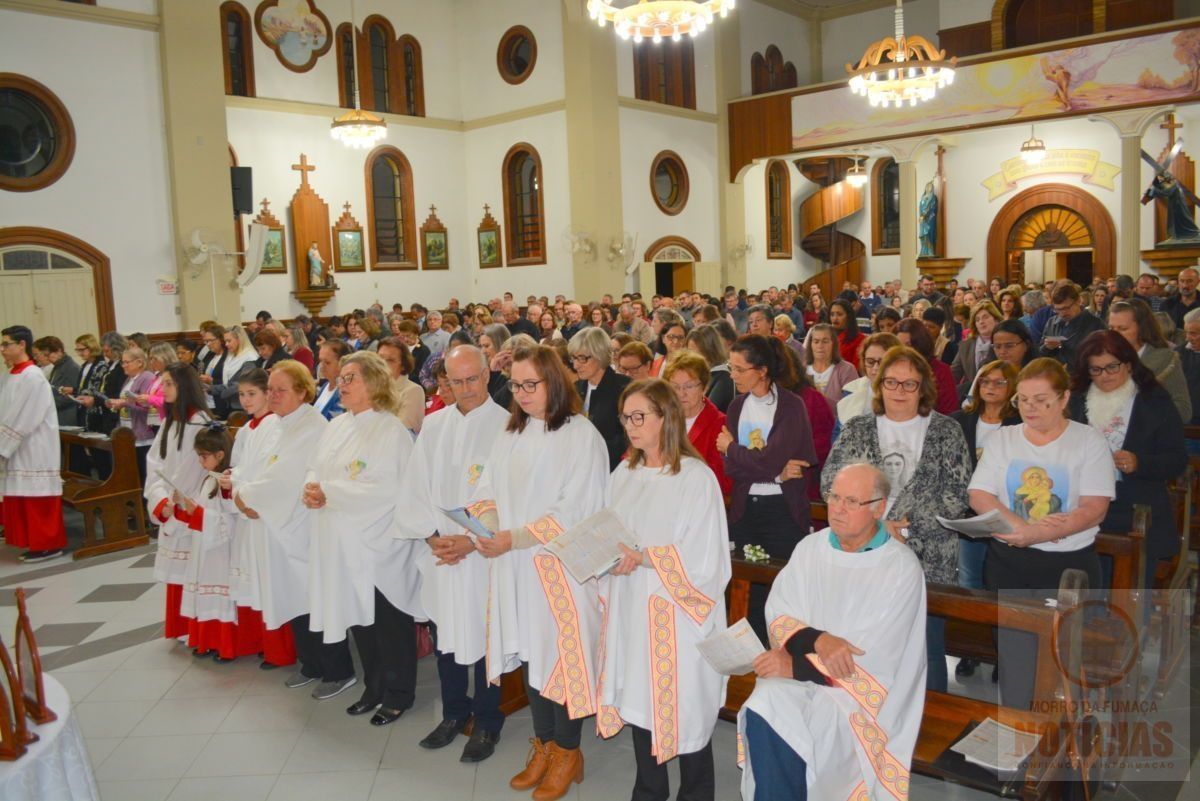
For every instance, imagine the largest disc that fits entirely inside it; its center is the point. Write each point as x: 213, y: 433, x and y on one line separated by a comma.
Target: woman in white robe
x: 545, y: 473
x: 360, y: 575
x: 172, y: 463
x: 664, y: 598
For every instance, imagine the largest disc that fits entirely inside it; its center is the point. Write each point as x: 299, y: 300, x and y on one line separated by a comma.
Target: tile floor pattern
x: 161, y: 724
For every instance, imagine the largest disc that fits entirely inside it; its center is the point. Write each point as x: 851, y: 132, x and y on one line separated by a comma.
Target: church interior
x: 169, y: 162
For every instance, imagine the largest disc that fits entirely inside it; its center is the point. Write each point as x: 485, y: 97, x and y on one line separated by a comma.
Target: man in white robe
x: 837, y: 706
x: 447, y: 462
x: 30, y: 454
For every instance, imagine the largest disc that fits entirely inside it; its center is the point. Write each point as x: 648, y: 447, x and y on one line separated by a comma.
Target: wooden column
x: 732, y: 195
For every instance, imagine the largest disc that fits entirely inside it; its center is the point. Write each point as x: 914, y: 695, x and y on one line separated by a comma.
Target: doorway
x: 1074, y: 265
x: 48, y: 291
x: 1052, y: 217
x: 671, y: 278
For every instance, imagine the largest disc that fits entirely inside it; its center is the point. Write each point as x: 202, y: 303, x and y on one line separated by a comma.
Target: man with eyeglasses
x: 1070, y: 325
x: 447, y: 462
x: 849, y: 604
x: 30, y: 455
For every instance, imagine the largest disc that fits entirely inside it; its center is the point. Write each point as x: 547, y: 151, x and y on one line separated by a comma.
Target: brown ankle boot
x: 566, y: 768
x: 536, y: 765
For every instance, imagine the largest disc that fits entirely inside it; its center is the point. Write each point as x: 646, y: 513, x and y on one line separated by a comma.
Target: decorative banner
x: 1057, y: 162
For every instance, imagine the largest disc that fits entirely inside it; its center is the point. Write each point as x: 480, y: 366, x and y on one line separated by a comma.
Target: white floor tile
x: 225, y: 788
x: 184, y: 716
x: 350, y: 749
x: 99, y: 748
x: 244, y: 754
x: 415, y: 781
x: 341, y: 785
x: 152, y: 757
x: 153, y: 790
x: 80, y: 685
x: 202, y: 682
x: 269, y: 713
x: 136, y: 685
x: 106, y: 663
x: 158, y: 653
x: 110, y: 718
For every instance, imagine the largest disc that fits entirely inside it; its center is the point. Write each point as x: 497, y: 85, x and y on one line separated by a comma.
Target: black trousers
x: 697, y: 779
x: 768, y: 524
x: 1028, y: 573
x: 321, y: 660
x: 551, y: 723
x: 456, y: 680
x: 142, y: 451
x: 388, y: 651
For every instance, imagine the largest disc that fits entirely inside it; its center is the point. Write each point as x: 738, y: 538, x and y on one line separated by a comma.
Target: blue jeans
x: 936, y: 677
x: 971, y: 555
x: 779, y: 772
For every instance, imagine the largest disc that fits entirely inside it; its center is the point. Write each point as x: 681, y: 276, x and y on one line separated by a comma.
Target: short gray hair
x: 1033, y: 300
x: 114, y: 342
x: 880, y: 486
x: 465, y: 350
x: 595, y: 343
x: 1192, y: 317
x: 497, y: 333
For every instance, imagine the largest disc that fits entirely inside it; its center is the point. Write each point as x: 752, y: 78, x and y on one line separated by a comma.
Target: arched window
x: 769, y: 72
x: 390, y: 75
x: 414, y: 81
x: 390, y: 210
x: 524, y: 214
x: 379, y: 44
x: 237, y: 46
x: 779, y: 211
x: 665, y: 72
x: 885, y: 207
x: 345, y: 65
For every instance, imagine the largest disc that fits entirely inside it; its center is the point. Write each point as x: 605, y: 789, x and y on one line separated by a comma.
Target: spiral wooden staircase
x: 841, y: 254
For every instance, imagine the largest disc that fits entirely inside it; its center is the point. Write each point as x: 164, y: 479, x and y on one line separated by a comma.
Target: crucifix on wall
x: 1184, y: 171
x: 311, y: 234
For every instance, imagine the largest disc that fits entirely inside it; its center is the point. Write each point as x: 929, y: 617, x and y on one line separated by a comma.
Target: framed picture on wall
x: 490, y: 253
x: 348, y: 255
x: 434, y: 245
x: 275, y: 252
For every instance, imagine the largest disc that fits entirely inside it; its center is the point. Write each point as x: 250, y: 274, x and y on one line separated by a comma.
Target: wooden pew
x: 1174, y: 582
x: 107, y: 506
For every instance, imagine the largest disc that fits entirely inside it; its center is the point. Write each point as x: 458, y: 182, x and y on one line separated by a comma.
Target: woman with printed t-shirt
x: 1052, y: 480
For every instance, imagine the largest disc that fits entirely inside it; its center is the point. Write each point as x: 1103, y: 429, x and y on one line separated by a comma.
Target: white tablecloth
x: 56, y: 767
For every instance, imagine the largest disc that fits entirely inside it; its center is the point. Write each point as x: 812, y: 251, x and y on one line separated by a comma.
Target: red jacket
x: 947, y: 399
x: 821, y: 419
x: 703, y: 435
x: 849, y: 347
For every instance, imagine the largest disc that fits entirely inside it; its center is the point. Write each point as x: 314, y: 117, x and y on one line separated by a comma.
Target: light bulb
x: 657, y: 38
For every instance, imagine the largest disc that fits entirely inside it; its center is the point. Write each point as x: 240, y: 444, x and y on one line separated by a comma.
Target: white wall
x: 139, y: 6
x: 115, y: 195
x: 955, y: 13
x: 762, y: 25
x: 845, y: 39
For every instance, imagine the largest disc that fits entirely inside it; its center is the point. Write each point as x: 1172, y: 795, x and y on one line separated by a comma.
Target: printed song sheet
x: 589, y: 549
x: 980, y: 527
x: 732, y: 652
x: 997, y: 747
x: 468, y: 521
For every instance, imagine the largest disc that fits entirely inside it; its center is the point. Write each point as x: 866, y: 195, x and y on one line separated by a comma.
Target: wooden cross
x: 346, y: 207
x: 1170, y: 126
x: 941, y: 151
x: 486, y: 209
x: 304, y: 169
x: 433, y: 210
x: 265, y: 204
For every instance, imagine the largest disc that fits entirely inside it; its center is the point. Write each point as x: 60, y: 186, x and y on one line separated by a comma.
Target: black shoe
x: 29, y: 557
x: 221, y: 660
x: 196, y: 652
x: 965, y: 668
x: 444, y: 734
x: 385, y: 716
x: 481, y: 746
x: 995, y: 674
x: 362, y: 707
x: 266, y: 666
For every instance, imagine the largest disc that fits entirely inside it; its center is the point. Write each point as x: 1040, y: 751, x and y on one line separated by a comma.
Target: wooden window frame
x: 877, y: 248
x: 679, y: 67
x: 340, y: 55
x: 407, y: 209
x: 397, y: 71
x: 777, y: 167
x: 418, y: 77
x: 64, y: 133
x: 685, y: 188
x: 770, y: 73
x: 510, y: 206
x: 502, y: 49
x: 228, y: 7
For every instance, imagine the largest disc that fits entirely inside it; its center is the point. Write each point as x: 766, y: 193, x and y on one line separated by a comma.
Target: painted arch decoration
x: 296, y: 30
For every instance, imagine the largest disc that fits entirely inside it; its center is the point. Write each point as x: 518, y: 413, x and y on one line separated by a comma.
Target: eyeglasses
x: 1006, y: 346
x: 851, y: 504
x: 910, y: 385
x: 1040, y: 402
x: 7, y: 344
x: 674, y: 338
x: 1112, y: 369
x: 581, y: 358
x: 346, y: 379
x: 637, y: 419
x: 470, y: 381
x: 733, y: 368
x: 871, y: 363
x: 528, y: 387
x: 688, y: 387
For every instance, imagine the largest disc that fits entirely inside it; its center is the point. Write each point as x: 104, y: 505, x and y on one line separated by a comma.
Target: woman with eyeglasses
x: 976, y: 350
x: 924, y: 455
x: 856, y: 395
x: 1116, y: 393
x: 600, y: 388
x: 1012, y: 344
x: 705, y: 341
x: 540, y: 616
x: 1051, y: 479
x: 1134, y: 321
x: 133, y: 407
x: 673, y: 339
x: 669, y: 591
x: 688, y: 373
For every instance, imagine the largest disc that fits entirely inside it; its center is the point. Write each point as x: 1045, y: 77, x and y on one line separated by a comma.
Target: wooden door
x: 682, y: 277
x: 16, y: 299
x: 65, y: 303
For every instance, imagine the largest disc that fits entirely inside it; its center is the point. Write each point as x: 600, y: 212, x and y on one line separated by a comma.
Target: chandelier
x: 1033, y: 150
x: 356, y: 128
x: 901, y: 68
x: 856, y: 176
x: 659, y: 19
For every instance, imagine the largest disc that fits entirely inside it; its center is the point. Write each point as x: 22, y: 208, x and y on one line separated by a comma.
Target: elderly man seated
x: 837, y: 706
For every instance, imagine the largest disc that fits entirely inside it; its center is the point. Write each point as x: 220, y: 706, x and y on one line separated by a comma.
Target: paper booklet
x: 468, y: 521
x: 732, y: 652
x: 589, y: 549
x: 997, y: 747
x: 173, y: 486
x: 980, y: 527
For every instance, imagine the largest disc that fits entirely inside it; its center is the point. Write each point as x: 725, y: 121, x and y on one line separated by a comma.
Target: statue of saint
x: 928, y: 232
x: 316, y: 267
x: 1181, y: 226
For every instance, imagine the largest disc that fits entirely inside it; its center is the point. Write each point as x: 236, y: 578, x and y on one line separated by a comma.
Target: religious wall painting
x: 275, y: 251
x: 1059, y: 161
x: 434, y: 246
x: 348, y: 254
x: 296, y: 30
x: 488, y: 235
x: 1158, y: 68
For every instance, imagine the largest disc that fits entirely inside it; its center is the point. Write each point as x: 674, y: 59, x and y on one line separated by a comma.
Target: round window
x: 517, y: 54
x: 669, y: 182
x: 37, y: 139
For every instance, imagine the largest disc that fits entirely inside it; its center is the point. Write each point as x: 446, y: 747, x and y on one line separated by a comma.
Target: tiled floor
x: 161, y: 724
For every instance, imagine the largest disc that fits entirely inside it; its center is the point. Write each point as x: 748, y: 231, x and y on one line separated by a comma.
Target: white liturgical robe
x: 248, y: 459
x: 182, y: 467
x: 359, y: 463
x: 448, y: 460
x: 546, y: 481
x: 30, y: 453
x: 206, y: 585
x: 274, y: 491
x: 674, y: 603
x: 874, y: 600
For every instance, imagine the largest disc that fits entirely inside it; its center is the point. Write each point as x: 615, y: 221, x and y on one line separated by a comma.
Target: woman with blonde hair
x: 133, y: 407
x: 976, y: 349
x: 672, y: 587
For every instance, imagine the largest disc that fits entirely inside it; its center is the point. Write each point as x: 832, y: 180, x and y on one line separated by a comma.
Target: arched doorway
x: 16, y: 240
x: 674, y: 259
x: 1052, y: 231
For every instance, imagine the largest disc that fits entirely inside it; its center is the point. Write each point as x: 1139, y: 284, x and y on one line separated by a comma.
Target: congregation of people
x: 298, y: 476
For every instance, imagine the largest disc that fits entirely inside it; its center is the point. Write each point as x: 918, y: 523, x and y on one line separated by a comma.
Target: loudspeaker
x: 243, y: 194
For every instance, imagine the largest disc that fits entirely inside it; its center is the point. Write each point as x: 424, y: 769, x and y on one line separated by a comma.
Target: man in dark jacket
x: 1069, y: 327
